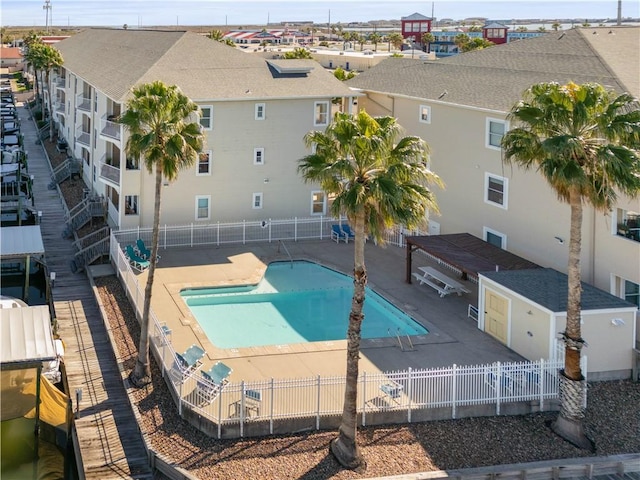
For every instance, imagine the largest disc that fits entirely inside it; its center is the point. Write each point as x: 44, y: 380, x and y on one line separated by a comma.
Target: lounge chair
x: 212, y: 382
x: 189, y: 362
x: 135, y: 260
x: 337, y: 234
x: 347, y: 231
x: 143, y: 250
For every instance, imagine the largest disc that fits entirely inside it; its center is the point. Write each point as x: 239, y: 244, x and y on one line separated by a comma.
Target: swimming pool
x: 295, y: 302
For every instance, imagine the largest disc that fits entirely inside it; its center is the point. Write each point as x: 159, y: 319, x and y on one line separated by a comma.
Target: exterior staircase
x: 91, y: 248
x: 82, y: 213
x: 63, y: 171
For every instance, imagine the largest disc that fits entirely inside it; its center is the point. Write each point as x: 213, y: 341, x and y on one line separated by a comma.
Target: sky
x: 141, y: 13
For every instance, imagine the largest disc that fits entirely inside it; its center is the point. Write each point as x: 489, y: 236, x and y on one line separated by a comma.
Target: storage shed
x: 526, y: 310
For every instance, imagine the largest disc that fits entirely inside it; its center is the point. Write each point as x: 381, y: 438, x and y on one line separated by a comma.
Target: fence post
x: 191, y: 233
x: 409, y: 394
x: 318, y: 405
x: 454, y: 390
x: 321, y: 224
x: 269, y: 230
x: 541, y: 383
x: 364, y: 399
x: 165, y: 236
x: 295, y: 229
x: 271, y: 412
x: 244, y: 232
x: 220, y: 415
x: 218, y: 234
x: 241, y: 409
x: 498, y: 386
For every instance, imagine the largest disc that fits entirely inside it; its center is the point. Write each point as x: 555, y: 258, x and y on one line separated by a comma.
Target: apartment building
x: 254, y: 112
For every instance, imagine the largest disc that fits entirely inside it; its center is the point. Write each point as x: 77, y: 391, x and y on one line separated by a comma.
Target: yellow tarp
x: 53, y: 403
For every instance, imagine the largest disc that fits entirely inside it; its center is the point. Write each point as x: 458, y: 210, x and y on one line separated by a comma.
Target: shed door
x: 495, y: 318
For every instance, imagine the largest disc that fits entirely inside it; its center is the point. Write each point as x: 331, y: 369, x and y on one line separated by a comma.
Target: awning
x: 26, y: 336
x: 18, y: 242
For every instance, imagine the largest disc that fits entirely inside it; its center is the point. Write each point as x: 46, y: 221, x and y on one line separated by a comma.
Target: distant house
x: 495, y: 32
x: 414, y: 26
x: 254, y: 112
x: 459, y: 105
x: 11, y: 58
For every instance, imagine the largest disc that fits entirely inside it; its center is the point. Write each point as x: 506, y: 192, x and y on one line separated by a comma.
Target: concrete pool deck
x: 453, y: 337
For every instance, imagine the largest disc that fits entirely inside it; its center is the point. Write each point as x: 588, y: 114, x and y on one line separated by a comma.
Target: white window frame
x: 488, y: 135
x: 486, y: 231
x: 209, y: 154
x: 210, y: 116
x: 258, y: 156
x: 314, y: 202
x: 197, y: 208
x: 257, y: 201
x: 425, y: 110
x: 505, y: 190
x: 260, y: 111
x: 317, y: 121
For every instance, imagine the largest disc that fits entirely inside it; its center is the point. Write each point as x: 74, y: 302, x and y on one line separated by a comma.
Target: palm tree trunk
x: 141, y: 374
x: 573, y: 388
x: 344, y: 447
x: 47, y: 80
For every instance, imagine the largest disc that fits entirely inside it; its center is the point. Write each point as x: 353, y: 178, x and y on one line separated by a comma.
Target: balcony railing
x: 109, y: 128
x: 83, y: 103
x: 60, y: 82
x: 59, y: 108
x: 109, y: 172
x: 82, y: 137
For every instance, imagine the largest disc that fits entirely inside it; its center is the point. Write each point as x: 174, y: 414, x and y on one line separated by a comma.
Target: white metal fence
x: 406, y: 391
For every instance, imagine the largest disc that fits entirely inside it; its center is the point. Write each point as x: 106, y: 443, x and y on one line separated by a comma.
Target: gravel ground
x: 613, y: 422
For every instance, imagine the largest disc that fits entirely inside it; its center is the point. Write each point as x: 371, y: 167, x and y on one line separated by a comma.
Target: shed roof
x: 18, y: 242
x: 469, y: 254
x: 549, y: 288
x: 26, y: 337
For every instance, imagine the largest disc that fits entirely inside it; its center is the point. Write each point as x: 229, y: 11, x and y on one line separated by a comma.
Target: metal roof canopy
x: 18, y: 242
x: 26, y: 336
x: 466, y: 253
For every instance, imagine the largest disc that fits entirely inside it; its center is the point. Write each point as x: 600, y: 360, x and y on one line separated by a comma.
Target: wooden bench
x: 440, y: 282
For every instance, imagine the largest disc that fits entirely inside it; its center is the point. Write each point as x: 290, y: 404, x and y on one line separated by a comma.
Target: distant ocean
x: 145, y: 13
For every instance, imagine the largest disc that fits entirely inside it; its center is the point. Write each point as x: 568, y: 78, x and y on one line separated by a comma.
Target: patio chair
x: 337, y: 234
x: 212, y: 382
x: 144, y: 251
x: 135, y: 260
x: 187, y: 363
x: 347, y: 231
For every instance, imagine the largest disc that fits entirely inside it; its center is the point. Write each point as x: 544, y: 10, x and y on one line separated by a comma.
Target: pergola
x: 464, y: 253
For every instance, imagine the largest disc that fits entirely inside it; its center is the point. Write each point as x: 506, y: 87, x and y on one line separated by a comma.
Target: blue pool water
x: 295, y: 302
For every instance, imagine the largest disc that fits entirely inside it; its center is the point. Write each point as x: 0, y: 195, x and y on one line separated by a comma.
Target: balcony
x: 60, y: 83
x: 629, y: 225
x: 59, y: 108
x: 108, y: 172
x: 83, y: 138
x: 83, y: 103
x: 110, y: 129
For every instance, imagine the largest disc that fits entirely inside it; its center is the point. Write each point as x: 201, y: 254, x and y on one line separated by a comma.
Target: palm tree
x: 217, y: 35
x: 157, y: 119
x: 297, y: 52
x: 584, y: 140
x: 377, y: 180
x: 375, y: 38
x: 556, y: 26
x: 49, y: 58
x: 32, y: 57
x: 396, y: 40
x: 426, y: 39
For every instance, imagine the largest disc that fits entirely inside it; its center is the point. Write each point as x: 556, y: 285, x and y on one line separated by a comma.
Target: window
x: 206, y: 117
x: 321, y: 114
x: 258, y: 156
x: 257, y: 200
x: 495, y: 238
x: 260, y: 111
x: 202, y: 207
x: 131, y: 205
x: 425, y: 114
x: 318, y: 203
x: 204, y: 163
x: 495, y: 131
x: 632, y: 292
x: 133, y: 163
x: 495, y: 190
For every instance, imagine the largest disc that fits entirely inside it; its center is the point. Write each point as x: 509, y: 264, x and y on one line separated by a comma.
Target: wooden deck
x: 107, y: 439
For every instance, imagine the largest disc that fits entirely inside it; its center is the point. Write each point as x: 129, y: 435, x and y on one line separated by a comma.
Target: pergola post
x: 408, y: 261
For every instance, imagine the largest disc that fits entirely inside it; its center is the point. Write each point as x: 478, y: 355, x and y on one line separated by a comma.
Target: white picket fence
x: 318, y: 397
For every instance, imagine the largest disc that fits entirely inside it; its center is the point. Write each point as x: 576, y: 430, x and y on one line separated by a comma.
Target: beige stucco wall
x: 534, y: 216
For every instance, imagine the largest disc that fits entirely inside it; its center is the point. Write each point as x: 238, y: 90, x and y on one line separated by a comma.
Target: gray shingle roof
x: 113, y: 61
x: 416, y: 16
x: 495, y: 77
x: 548, y: 287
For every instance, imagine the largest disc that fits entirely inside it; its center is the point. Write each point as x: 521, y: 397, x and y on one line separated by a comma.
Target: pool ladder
x: 280, y: 242
x: 399, y: 338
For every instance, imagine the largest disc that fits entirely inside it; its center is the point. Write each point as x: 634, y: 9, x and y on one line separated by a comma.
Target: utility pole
x: 619, y: 22
x: 47, y: 11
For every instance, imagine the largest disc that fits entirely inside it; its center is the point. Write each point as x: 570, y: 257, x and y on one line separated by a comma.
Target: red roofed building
x: 11, y: 57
